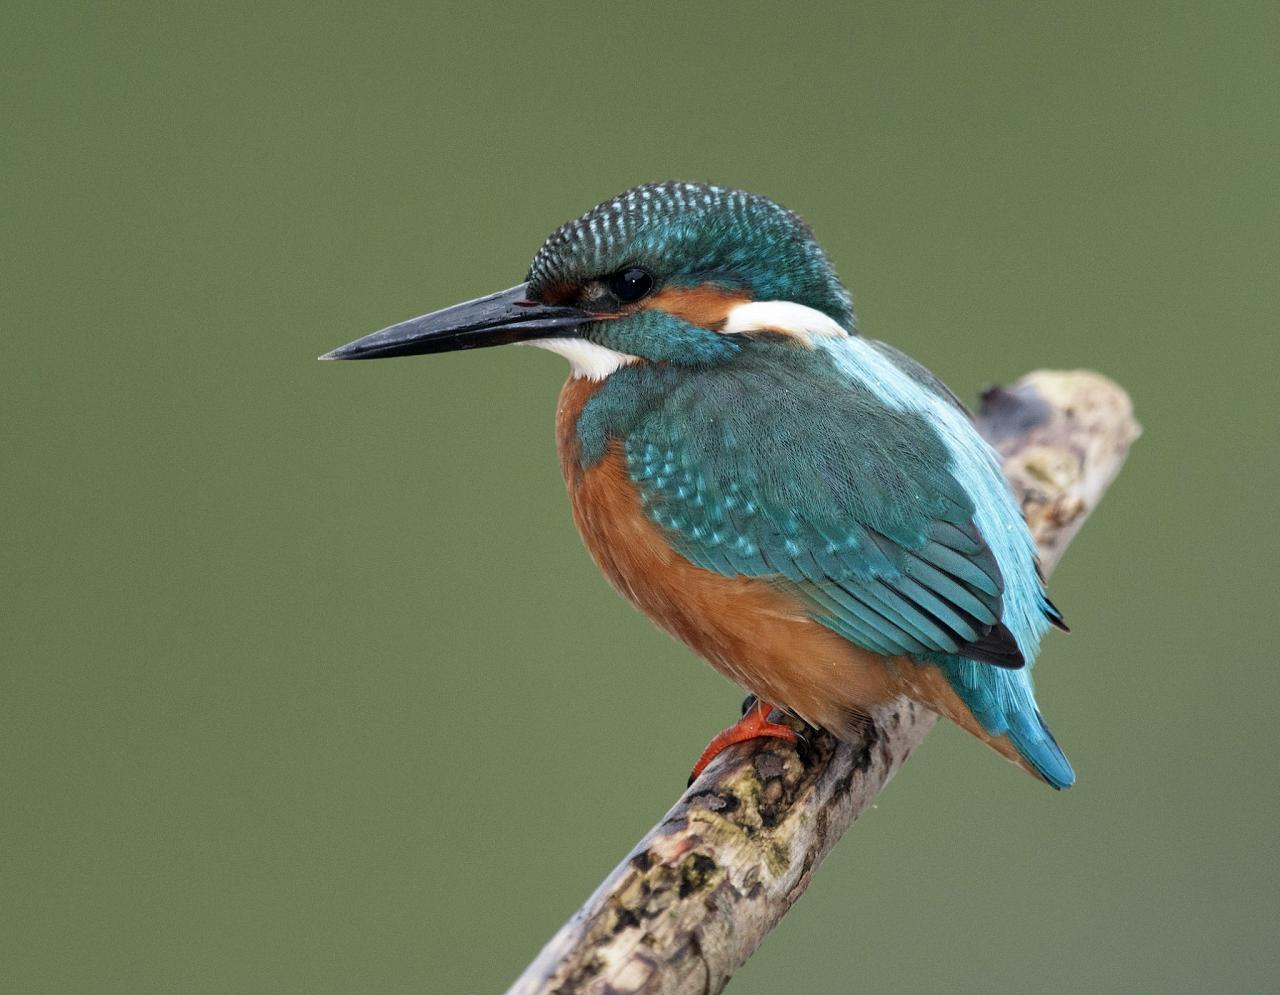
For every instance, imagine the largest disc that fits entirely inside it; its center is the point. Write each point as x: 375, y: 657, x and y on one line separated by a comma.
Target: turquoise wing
x: 831, y: 494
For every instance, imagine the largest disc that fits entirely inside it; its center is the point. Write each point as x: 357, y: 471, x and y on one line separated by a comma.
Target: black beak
x: 501, y: 318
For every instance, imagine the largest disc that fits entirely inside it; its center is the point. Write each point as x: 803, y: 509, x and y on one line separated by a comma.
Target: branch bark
x: 702, y: 889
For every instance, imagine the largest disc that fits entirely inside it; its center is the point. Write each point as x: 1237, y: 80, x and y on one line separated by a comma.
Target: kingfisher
x: 810, y: 510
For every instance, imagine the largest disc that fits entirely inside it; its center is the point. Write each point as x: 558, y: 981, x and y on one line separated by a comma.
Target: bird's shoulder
x: 803, y: 439
x: 920, y: 374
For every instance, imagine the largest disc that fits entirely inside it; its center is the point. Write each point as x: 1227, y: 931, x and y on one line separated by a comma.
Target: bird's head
x: 680, y: 273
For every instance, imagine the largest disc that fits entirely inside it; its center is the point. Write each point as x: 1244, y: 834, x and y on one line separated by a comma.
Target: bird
x: 810, y: 510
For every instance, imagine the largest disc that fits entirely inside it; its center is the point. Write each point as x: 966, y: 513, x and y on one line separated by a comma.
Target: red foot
x: 751, y: 726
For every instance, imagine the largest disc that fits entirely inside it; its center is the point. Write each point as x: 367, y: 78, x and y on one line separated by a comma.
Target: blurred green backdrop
x: 307, y: 682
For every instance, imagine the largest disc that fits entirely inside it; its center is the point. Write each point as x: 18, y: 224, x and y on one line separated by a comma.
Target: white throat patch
x: 784, y: 318
x: 586, y: 359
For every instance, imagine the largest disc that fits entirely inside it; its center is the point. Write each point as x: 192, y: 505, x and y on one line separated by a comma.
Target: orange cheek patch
x: 707, y: 306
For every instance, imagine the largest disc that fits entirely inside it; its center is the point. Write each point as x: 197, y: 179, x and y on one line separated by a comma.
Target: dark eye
x: 630, y: 284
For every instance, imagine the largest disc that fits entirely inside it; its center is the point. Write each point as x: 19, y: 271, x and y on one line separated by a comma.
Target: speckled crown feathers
x: 690, y: 232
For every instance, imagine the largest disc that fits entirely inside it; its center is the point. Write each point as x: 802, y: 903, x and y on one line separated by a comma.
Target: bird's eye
x: 630, y: 284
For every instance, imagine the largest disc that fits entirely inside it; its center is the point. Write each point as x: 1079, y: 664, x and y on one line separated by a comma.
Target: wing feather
x: 843, y: 501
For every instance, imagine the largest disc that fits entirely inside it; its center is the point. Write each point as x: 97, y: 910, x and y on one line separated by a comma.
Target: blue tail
x: 1032, y: 738
x: 1003, y: 701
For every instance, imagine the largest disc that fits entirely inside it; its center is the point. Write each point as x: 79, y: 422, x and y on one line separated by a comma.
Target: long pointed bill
x: 501, y: 318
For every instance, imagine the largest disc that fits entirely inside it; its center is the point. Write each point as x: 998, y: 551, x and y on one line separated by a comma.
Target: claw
x: 753, y: 725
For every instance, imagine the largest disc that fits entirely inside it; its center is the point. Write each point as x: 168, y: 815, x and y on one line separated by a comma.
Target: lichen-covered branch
x: 698, y: 894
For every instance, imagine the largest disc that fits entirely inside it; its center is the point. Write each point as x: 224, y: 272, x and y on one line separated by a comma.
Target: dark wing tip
x: 1054, y: 616
x: 996, y: 646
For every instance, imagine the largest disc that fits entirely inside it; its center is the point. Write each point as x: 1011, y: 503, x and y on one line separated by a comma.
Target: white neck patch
x: 784, y: 318
x: 586, y: 359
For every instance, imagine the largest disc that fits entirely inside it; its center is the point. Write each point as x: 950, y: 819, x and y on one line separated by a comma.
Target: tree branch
x: 698, y: 894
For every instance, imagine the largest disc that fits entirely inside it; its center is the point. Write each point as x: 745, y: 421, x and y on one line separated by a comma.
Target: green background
x: 307, y: 683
